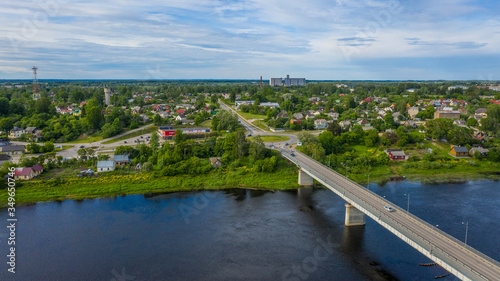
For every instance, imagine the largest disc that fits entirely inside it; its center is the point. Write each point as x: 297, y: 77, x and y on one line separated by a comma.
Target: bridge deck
x: 461, y: 260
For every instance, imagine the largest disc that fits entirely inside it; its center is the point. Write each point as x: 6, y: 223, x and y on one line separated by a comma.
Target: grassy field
x: 64, y: 147
x: 261, y: 125
x: 115, y: 185
x: 271, y: 138
x: 252, y: 116
x: 148, y: 130
x: 87, y: 139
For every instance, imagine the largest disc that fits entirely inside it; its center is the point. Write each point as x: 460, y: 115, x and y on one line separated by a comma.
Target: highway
x: 453, y: 255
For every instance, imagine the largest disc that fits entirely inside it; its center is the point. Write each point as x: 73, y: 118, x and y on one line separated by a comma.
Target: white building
x: 105, y: 166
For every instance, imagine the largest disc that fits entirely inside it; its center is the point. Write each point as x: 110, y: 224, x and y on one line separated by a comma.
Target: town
x: 64, y: 129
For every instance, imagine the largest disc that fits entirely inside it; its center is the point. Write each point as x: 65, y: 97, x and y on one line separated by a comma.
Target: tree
x: 6, y: 124
x: 179, y: 137
x: 155, y: 141
x: 439, y: 128
x: 43, y: 105
x: 472, y: 122
x: 227, y: 121
x: 334, y: 128
x: 94, y: 115
x: 157, y: 120
x: 389, y: 120
x: 48, y: 147
x: 4, y: 106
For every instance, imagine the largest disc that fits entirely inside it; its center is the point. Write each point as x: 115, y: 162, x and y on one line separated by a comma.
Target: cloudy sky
x: 226, y: 39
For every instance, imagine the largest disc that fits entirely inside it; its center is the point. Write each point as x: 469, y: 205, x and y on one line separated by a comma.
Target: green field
x: 148, y: 130
x: 261, y: 125
x: 64, y: 147
x: 271, y: 138
x: 87, y: 139
x: 252, y: 116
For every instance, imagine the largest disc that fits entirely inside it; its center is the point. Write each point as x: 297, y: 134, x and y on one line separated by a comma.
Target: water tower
x: 107, y: 96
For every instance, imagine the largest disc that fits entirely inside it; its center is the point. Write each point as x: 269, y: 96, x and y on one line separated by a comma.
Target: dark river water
x: 241, y: 235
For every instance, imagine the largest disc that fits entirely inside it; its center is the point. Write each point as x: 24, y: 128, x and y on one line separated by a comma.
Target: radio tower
x: 36, y: 89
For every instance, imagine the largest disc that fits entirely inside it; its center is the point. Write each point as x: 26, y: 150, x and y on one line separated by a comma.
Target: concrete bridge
x: 459, y: 259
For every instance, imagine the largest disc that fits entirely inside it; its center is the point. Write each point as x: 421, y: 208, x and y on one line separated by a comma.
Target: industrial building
x: 275, y: 82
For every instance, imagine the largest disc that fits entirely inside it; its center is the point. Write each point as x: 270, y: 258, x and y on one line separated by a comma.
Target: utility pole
x: 466, y: 231
x: 408, y: 208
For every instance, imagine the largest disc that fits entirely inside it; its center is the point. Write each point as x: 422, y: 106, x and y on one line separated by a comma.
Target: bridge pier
x: 353, y: 216
x: 305, y: 179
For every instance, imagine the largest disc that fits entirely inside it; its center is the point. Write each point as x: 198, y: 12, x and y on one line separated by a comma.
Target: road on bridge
x: 466, y: 260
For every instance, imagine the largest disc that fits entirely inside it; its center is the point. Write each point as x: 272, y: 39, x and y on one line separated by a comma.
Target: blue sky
x: 225, y: 39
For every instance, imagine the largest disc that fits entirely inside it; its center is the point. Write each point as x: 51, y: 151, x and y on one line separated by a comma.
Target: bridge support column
x: 353, y: 216
x: 305, y: 179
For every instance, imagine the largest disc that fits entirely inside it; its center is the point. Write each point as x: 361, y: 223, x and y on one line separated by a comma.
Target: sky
x: 226, y: 39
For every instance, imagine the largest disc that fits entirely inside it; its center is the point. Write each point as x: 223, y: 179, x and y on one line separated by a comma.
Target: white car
x: 389, y: 208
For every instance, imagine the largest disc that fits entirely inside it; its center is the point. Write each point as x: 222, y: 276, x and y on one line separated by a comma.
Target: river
x: 242, y: 235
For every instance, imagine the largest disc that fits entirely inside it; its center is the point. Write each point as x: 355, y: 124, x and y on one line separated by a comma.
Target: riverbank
x: 117, y: 185
x: 285, y: 179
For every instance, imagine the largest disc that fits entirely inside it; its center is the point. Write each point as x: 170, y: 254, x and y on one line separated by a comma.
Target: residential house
x: 5, y: 158
x: 16, y: 133
x: 459, y: 151
x: 215, y: 162
x: 37, y: 169
x: 23, y: 174
x: 482, y: 112
x: 481, y: 150
x: 396, y: 154
x: 459, y: 122
x: 121, y: 160
x: 309, y: 116
x: 452, y: 114
x: 282, y: 115
x: 320, y: 124
x: 334, y: 115
x: 180, y: 117
x: 105, y: 166
x: 12, y: 149
x: 298, y: 115
x: 345, y: 124
x: 296, y: 121
x: 413, y: 111
x: 477, y: 117
x: 410, y: 124
x: 270, y: 104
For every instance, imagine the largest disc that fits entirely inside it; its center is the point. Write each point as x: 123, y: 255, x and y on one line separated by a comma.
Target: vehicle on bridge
x: 389, y: 208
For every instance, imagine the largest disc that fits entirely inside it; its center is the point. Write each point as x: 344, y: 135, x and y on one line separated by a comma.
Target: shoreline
x: 140, y: 184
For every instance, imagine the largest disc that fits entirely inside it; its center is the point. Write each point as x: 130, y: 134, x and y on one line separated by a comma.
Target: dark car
x: 286, y: 144
x: 142, y: 137
x: 125, y: 142
x: 82, y: 146
x: 292, y: 154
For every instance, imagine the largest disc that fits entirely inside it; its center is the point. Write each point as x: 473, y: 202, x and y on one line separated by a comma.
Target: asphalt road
x: 443, y: 245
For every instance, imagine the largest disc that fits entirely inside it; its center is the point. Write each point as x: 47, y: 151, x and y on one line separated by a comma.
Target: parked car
x: 142, y: 137
x: 389, y: 208
x: 292, y: 154
x: 82, y: 146
x: 125, y: 142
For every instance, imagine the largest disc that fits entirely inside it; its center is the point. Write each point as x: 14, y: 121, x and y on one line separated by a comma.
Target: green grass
x: 114, y: 185
x: 148, y: 130
x: 206, y: 124
x: 260, y: 124
x: 271, y: 138
x: 87, y: 139
x: 64, y: 147
x: 252, y: 116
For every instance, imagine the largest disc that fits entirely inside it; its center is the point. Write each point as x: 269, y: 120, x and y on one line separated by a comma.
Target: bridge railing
x: 414, y: 236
